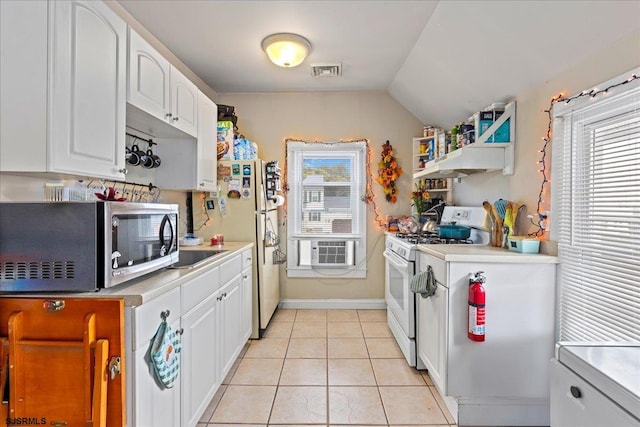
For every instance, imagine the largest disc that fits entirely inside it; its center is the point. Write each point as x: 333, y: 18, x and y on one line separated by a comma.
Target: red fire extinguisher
x: 476, y: 311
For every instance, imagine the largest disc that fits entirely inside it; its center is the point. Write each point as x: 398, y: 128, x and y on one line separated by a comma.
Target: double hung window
x: 326, y: 217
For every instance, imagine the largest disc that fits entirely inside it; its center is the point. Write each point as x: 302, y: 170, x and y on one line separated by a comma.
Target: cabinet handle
x: 575, y: 392
x: 202, y: 184
x: 245, y: 277
x: 219, y: 298
x: 168, y: 115
x: 175, y: 119
x: 180, y: 331
x: 224, y: 295
x: 123, y: 171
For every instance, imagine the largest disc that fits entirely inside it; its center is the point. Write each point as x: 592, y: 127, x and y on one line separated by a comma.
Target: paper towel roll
x: 278, y: 200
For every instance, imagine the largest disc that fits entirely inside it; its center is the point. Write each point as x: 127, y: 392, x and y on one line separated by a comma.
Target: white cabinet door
x: 152, y: 404
x: 207, y: 160
x: 148, y: 82
x: 184, y: 103
x: 23, y: 85
x: 432, y: 335
x: 230, y: 314
x: 200, y: 377
x: 88, y: 90
x: 246, y: 321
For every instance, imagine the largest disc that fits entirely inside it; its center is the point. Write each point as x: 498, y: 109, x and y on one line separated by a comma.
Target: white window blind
x: 597, y: 196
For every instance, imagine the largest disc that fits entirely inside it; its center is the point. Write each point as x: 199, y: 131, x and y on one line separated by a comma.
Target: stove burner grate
x: 431, y: 239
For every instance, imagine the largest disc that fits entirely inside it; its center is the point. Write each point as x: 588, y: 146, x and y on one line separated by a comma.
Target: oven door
x: 400, y: 299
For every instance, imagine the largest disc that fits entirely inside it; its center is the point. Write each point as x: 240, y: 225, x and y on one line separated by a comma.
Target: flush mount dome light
x: 286, y: 49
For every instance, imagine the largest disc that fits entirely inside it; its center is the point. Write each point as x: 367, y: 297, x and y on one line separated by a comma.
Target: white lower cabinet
x: 149, y: 404
x: 230, y: 316
x: 246, y: 296
x: 231, y: 313
x: 200, y: 377
x: 432, y: 340
x: 213, y: 310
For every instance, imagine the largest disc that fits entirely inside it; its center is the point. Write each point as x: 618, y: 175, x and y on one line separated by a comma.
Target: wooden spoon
x: 492, y: 217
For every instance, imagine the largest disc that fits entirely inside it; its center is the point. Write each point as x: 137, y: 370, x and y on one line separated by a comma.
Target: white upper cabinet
x: 148, y: 87
x: 76, y: 104
x: 159, y: 89
x: 184, y: 103
x: 207, y: 159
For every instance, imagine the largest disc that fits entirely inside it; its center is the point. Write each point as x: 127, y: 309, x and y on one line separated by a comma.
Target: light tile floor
x: 326, y: 368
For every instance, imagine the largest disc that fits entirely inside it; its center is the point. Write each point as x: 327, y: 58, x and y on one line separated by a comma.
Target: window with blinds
x: 326, y: 182
x: 597, y: 196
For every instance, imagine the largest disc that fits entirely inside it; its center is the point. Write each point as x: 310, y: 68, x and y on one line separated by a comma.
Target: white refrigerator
x: 245, y: 214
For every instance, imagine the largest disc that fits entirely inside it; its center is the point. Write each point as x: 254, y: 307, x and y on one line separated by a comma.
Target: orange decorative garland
x: 388, y: 173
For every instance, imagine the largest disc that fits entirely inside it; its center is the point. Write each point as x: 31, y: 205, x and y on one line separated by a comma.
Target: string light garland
x: 368, y: 197
x: 541, y: 217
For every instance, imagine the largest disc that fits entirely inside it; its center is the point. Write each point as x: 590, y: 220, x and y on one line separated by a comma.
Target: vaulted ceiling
x: 440, y: 59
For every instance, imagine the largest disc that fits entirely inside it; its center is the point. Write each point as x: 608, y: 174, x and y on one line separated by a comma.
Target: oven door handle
x: 395, y: 260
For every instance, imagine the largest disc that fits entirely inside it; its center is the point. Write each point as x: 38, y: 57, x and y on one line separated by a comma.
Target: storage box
x: 225, y: 140
x: 524, y: 245
x: 484, y: 119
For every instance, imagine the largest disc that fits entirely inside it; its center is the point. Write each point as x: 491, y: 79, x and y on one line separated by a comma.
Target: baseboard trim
x: 363, y: 304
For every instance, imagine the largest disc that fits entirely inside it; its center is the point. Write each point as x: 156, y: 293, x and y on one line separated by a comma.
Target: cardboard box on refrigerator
x: 225, y: 140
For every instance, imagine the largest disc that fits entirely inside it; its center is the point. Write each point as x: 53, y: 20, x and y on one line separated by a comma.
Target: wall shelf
x: 480, y: 156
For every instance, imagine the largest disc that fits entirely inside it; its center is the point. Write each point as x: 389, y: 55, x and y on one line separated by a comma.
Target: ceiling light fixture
x: 286, y: 49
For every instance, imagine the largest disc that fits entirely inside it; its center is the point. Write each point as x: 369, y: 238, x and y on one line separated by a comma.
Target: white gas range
x: 401, y: 264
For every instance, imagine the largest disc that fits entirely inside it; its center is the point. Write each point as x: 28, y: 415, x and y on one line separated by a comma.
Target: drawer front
x: 230, y: 269
x: 197, y: 290
x: 576, y: 403
x: 437, y: 265
x: 247, y: 258
x: 146, y: 318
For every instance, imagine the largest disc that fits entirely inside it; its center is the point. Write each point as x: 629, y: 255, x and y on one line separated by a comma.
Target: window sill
x: 328, y: 273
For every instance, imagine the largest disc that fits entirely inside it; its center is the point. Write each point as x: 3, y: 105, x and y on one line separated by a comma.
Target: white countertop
x: 482, y: 253
x: 143, y: 289
x: 613, y: 369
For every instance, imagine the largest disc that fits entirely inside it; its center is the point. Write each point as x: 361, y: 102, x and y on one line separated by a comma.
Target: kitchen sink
x: 192, y: 259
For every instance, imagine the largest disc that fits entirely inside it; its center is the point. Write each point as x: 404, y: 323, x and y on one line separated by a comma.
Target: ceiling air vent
x: 326, y: 70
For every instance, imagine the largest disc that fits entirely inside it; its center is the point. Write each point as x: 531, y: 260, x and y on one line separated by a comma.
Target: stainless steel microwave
x: 83, y: 246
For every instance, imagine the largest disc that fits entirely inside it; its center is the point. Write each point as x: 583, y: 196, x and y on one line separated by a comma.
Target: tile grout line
x: 326, y: 355
x: 275, y: 394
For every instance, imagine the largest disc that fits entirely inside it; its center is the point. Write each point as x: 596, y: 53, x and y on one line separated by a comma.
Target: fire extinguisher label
x: 476, y: 320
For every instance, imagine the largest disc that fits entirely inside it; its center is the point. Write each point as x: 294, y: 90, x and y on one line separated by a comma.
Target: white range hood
x: 469, y: 160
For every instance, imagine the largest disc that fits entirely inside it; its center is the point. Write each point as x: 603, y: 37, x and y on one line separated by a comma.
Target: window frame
x: 594, y: 291
x: 297, y: 242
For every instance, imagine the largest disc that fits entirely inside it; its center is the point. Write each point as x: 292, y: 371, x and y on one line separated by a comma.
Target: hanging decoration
x: 388, y: 173
x: 368, y: 197
x: 541, y: 218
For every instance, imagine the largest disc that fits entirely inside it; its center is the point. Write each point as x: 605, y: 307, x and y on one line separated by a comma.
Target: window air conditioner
x: 332, y: 253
